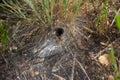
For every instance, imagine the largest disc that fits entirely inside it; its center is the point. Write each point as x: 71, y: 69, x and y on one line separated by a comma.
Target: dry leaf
x: 32, y: 73
x: 105, y: 59
x: 110, y: 77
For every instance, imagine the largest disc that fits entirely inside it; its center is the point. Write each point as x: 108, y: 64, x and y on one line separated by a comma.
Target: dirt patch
x: 60, y: 51
x: 70, y: 60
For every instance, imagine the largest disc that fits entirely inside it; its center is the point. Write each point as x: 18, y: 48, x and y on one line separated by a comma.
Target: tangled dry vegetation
x: 59, y: 40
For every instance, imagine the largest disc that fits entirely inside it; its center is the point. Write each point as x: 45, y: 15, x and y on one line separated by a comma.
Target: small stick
x: 107, y: 48
x: 73, y: 67
x: 82, y: 68
x: 114, y: 18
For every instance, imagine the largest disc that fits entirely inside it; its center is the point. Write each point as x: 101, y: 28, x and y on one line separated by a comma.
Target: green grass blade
x: 3, y: 37
x: 118, y: 21
x: 77, y: 6
x: 32, y: 4
x: 112, y: 57
x: 65, y: 3
x: 13, y: 7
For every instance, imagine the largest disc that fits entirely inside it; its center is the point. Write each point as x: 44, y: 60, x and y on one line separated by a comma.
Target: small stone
x: 36, y: 73
x: 55, y: 68
x: 105, y: 59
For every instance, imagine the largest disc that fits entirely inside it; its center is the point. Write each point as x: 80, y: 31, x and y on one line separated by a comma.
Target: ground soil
x: 75, y: 56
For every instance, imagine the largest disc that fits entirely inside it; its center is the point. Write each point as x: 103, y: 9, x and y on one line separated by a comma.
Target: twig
x: 6, y: 62
x: 99, y: 53
x: 24, y: 75
x: 82, y: 68
x: 114, y: 18
x: 59, y: 77
x: 105, y: 49
x: 73, y: 67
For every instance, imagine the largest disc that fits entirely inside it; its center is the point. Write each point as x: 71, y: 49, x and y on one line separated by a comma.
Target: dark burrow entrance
x: 59, y: 32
